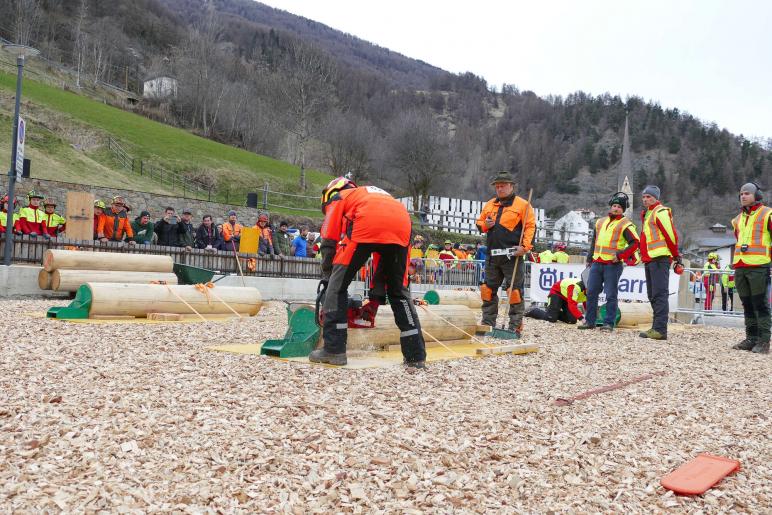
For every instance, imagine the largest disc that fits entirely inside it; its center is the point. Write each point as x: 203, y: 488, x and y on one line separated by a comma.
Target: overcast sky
x: 711, y: 58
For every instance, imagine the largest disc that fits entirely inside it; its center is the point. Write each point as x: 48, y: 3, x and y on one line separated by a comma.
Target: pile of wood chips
x: 141, y: 417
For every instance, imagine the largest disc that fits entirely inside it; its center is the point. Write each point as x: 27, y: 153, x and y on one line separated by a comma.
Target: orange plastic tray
x: 699, y: 475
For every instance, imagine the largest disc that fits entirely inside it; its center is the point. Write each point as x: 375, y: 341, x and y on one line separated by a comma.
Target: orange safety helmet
x: 334, y: 187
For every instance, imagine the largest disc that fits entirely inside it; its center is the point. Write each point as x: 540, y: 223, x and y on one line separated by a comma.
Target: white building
x: 455, y: 214
x: 573, y: 227
x: 160, y: 87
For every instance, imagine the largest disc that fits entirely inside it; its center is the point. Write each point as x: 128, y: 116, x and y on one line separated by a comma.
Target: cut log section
x: 70, y: 280
x: 634, y: 314
x: 44, y: 280
x: 470, y: 299
x: 387, y: 333
x: 55, y: 259
x: 121, y: 299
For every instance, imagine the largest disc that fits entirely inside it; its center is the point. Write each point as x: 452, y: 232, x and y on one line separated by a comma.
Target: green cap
x: 502, y: 177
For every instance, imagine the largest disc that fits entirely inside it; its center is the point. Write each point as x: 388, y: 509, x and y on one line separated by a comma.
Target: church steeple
x: 625, y: 173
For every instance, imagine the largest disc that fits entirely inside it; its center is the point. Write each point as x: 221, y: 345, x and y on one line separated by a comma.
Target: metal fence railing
x: 31, y: 251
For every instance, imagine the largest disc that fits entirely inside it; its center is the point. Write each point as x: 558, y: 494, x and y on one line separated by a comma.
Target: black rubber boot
x: 322, y: 356
x: 746, y: 344
x: 761, y: 348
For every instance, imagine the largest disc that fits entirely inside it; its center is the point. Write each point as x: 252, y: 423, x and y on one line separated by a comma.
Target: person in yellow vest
x: 614, y: 242
x: 447, y: 255
x: 563, y: 302
x: 727, y: 288
x: 559, y: 253
x: 417, y: 250
x: 546, y: 256
x: 31, y: 217
x: 710, y: 279
x: 4, y: 215
x: 752, y: 256
x: 659, y: 247
x: 55, y: 224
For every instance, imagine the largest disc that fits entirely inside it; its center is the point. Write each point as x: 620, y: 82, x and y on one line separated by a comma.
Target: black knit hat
x: 620, y: 198
x: 503, y: 176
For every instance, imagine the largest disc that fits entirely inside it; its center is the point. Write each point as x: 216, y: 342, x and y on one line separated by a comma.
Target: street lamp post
x: 21, y: 52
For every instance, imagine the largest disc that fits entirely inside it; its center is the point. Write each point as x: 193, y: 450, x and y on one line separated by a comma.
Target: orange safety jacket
x: 512, y: 216
x: 115, y: 225
x: 366, y: 214
x: 230, y: 231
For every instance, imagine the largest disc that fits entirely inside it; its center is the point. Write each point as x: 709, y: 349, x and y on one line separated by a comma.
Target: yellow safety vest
x: 416, y: 252
x: 752, y: 231
x: 4, y: 217
x: 546, y: 257
x: 560, y: 257
x: 578, y: 294
x: 656, y: 246
x: 609, y: 237
x: 726, y: 282
x: 31, y: 214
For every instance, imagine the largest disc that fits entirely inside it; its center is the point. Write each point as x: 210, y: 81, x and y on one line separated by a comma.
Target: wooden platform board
x: 80, y: 215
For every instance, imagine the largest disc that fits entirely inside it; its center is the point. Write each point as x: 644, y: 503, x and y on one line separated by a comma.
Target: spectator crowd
x: 113, y: 223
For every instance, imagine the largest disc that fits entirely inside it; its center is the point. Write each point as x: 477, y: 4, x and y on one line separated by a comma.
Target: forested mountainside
x: 282, y: 85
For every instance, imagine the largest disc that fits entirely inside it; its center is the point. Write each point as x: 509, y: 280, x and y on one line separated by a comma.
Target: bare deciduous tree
x: 26, y: 20
x: 419, y: 152
x: 306, y: 90
x: 350, y: 142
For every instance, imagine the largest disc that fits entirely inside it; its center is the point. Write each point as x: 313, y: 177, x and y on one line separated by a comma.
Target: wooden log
x: 70, y: 280
x: 44, y: 280
x: 120, y: 299
x: 164, y: 317
x: 634, y: 314
x: 387, y: 333
x: 470, y: 299
x: 55, y: 259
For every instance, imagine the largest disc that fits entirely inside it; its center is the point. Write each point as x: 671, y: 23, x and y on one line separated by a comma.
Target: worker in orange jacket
x: 116, y: 224
x: 505, y: 220
x: 358, y: 222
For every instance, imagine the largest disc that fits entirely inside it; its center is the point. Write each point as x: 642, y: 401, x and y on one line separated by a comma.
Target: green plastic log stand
x: 78, y: 308
x: 301, y: 337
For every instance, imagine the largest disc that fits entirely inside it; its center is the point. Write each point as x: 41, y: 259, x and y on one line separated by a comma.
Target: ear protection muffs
x: 758, y: 196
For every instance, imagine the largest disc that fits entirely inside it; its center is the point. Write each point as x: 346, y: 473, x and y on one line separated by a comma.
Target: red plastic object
x: 699, y: 475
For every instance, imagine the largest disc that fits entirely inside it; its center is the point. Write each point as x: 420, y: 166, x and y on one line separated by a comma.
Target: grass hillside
x: 67, y: 136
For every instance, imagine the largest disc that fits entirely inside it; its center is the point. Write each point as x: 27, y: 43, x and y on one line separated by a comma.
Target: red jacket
x: 31, y: 220
x: 573, y: 307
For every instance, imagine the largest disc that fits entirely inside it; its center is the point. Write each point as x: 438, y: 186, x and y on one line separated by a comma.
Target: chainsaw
x: 353, y: 309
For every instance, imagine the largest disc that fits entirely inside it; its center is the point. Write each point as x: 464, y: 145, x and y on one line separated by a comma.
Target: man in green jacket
x: 143, y: 229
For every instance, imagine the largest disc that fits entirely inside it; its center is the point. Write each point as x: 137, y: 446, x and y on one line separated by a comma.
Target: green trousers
x: 752, y: 284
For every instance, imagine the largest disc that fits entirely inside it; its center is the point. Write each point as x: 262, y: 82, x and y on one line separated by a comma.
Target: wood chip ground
x: 137, y: 418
